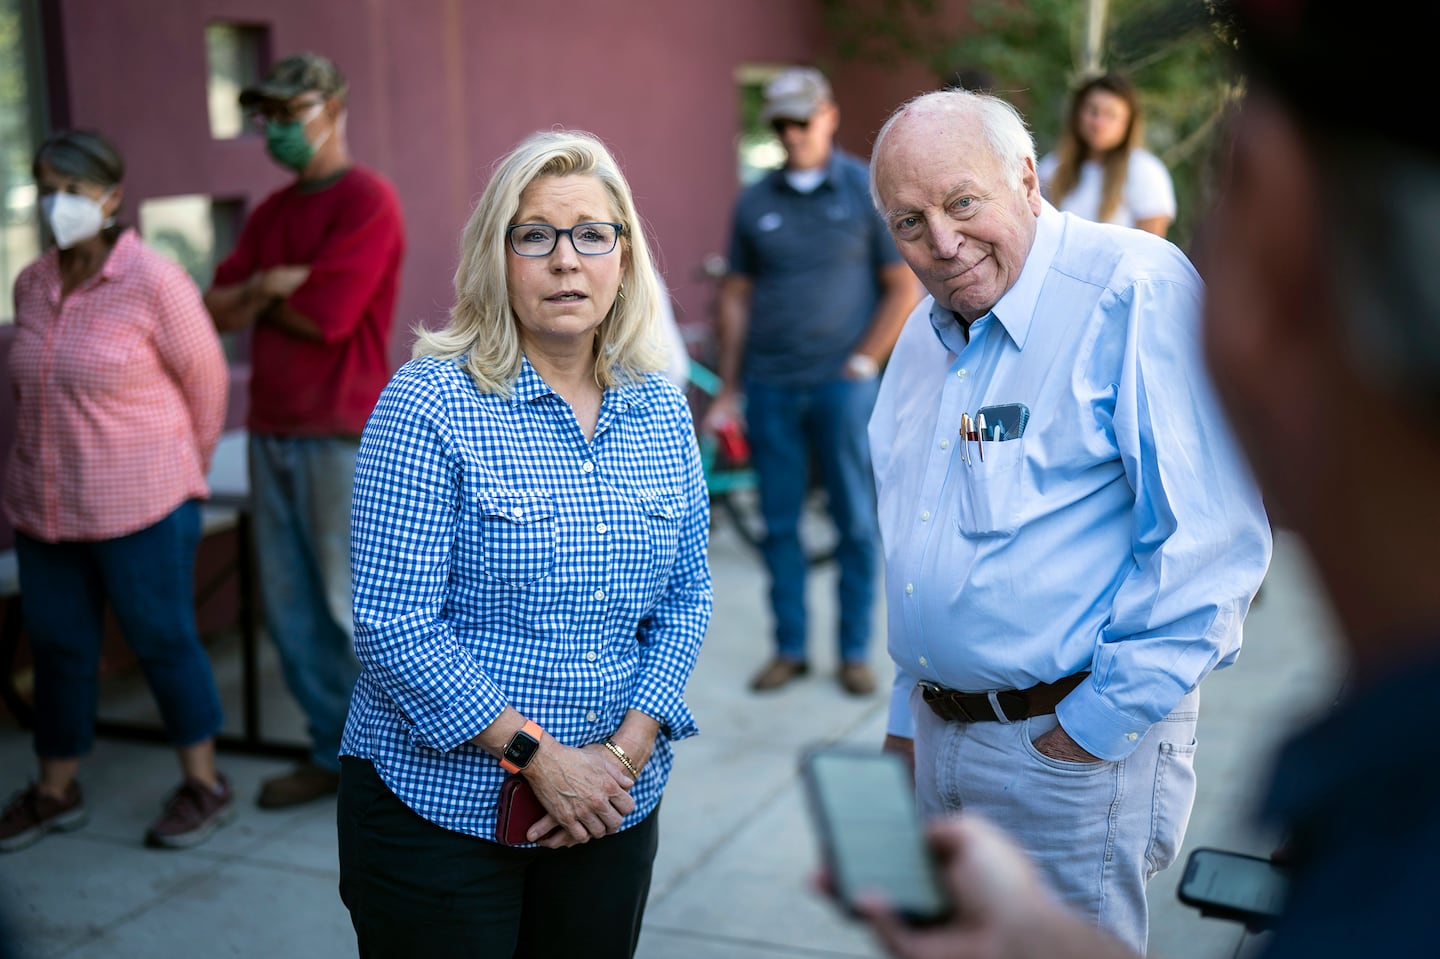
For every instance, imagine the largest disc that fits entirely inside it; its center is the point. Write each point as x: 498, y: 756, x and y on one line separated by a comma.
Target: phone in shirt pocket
x: 990, y: 485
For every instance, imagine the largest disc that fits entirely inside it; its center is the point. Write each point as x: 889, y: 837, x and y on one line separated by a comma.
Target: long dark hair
x: 1071, y: 151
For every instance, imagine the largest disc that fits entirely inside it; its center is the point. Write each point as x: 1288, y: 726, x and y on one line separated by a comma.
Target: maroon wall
x: 439, y: 89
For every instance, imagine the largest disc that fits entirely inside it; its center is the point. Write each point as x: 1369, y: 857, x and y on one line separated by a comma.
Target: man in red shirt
x: 314, y: 274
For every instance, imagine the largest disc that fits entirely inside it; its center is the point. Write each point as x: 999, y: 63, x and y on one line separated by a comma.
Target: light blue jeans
x: 791, y: 427
x: 301, y: 489
x: 1098, y: 831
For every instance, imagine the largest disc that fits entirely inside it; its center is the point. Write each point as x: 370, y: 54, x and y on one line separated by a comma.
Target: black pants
x: 416, y: 889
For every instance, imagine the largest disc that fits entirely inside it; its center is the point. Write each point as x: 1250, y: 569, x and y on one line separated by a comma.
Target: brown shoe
x: 192, y: 813
x: 857, y: 679
x: 777, y: 673
x: 302, y: 784
x: 31, y: 814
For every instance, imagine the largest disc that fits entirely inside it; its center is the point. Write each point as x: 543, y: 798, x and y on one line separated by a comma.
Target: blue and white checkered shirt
x: 500, y: 558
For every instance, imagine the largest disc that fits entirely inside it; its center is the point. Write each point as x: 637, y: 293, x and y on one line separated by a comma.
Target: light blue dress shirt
x: 1121, y: 534
x: 501, y: 558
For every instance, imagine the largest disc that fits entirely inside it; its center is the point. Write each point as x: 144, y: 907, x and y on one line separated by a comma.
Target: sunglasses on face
x: 782, y: 124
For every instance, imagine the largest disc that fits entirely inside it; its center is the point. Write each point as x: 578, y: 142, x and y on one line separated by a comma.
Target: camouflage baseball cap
x: 794, y: 94
x: 296, y: 74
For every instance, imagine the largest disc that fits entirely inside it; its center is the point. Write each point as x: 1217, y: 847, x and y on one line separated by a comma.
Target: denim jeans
x: 789, y: 428
x: 148, y: 579
x: 301, y: 488
x: 1098, y: 831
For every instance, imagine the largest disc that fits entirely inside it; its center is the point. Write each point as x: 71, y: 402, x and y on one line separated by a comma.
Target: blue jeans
x: 301, y: 488
x: 789, y: 428
x: 148, y: 579
x: 1098, y: 831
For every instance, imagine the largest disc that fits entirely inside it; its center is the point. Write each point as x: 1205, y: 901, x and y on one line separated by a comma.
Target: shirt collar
x: 1016, y: 309
x: 530, y: 386
x: 778, y: 176
x: 117, y: 263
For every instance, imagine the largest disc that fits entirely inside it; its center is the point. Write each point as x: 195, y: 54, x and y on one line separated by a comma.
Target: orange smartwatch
x: 522, y: 746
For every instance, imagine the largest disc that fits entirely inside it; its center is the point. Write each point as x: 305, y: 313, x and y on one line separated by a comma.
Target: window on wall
x: 21, y: 120
x: 234, y: 54
x: 758, y: 151
x: 195, y: 231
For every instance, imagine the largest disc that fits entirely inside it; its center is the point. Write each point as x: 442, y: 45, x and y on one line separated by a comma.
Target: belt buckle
x: 948, y: 698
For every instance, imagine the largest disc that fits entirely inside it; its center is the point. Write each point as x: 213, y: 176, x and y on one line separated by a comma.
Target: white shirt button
x: 944, y: 444
x: 909, y: 587
x: 601, y: 528
x: 599, y: 594
x: 924, y: 661
x: 590, y: 717
x: 962, y: 372
x: 925, y: 516
x: 587, y: 467
x: 591, y: 656
x: 1132, y: 736
x: 518, y: 512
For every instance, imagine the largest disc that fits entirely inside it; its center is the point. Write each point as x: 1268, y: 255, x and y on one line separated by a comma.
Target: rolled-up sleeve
x: 670, y: 636
x: 403, y: 525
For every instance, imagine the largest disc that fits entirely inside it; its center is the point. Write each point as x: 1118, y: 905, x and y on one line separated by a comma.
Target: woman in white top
x: 1099, y: 170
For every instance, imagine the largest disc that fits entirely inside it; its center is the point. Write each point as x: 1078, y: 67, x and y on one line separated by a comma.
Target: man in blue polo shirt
x: 814, y: 300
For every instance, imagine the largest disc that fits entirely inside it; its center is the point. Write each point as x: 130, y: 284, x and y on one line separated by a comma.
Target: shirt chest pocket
x: 518, y: 535
x: 662, y: 511
x: 989, y: 490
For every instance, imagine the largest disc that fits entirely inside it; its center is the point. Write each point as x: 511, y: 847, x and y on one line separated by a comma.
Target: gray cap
x: 795, y: 94
x: 296, y: 74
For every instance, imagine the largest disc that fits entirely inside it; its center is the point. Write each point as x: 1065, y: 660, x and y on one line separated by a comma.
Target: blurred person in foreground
x: 808, y: 313
x: 531, y: 585
x: 1322, y: 332
x: 314, y: 274
x: 1057, y: 588
x: 1100, y: 169
x: 120, y: 388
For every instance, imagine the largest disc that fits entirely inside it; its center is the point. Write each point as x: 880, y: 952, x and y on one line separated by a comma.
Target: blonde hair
x: 483, y: 332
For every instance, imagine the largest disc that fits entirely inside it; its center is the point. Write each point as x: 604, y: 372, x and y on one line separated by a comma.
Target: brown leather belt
x: 1002, y: 705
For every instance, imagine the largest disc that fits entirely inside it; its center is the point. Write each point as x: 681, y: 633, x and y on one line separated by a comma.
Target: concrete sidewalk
x: 736, y: 847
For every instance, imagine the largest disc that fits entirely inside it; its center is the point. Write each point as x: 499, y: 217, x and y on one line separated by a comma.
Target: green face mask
x: 287, y: 145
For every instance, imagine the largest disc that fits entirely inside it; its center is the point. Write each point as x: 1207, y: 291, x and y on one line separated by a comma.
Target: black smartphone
x: 863, y: 804
x: 1005, y: 421
x: 1230, y: 885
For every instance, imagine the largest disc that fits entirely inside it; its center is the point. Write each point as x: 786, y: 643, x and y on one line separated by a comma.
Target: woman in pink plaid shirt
x: 120, y: 388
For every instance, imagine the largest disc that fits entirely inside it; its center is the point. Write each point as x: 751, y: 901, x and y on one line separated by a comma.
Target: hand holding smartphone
x: 863, y: 805
x: 1229, y: 885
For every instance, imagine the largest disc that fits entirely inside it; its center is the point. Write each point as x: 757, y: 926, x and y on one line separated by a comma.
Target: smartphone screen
x: 864, y: 807
x: 1233, y: 884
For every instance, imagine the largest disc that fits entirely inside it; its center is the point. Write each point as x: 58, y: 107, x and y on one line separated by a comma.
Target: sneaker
x: 856, y: 679
x: 302, y: 784
x: 777, y: 673
x: 192, y: 813
x: 31, y: 814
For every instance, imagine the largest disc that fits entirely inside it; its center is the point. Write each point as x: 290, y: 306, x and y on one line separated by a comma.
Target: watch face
x: 521, y: 748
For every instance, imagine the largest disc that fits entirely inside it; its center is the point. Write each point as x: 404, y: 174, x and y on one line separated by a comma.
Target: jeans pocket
x: 1173, y: 799
x: 518, y: 535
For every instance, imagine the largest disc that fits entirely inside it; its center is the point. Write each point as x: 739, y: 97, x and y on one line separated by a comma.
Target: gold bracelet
x: 624, y: 759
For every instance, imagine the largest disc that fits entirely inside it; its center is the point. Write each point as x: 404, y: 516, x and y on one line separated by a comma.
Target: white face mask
x: 73, y: 218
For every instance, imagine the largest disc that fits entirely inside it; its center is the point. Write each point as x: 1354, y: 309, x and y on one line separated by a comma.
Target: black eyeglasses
x: 539, y: 239
x: 781, y: 124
